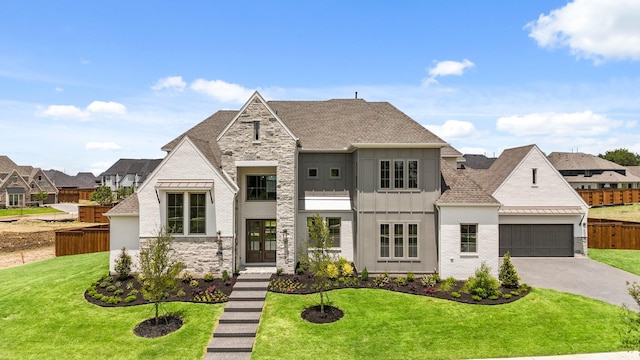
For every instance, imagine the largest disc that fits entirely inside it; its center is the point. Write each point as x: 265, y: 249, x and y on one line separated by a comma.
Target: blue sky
x: 83, y: 84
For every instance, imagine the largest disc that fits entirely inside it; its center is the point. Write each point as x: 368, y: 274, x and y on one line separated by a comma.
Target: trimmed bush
x: 508, y: 275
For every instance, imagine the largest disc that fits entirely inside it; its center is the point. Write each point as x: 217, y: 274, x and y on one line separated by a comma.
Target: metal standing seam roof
x: 184, y: 184
x: 536, y: 210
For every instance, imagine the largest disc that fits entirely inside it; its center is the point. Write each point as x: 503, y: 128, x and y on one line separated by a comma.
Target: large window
x: 196, y: 214
x: 334, y: 224
x: 405, y: 241
x: 468, y: 238
x: 15, y: 199
x: 404, y: 174
x: 261, y: 187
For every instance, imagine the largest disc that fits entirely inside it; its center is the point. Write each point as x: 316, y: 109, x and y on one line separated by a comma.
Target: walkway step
x: 248, y: 295
x: 235, y: 344
x: 250, y: 285
x: 227, y: 356
x: 240, y: 317
x: 240, y: 306
x: 235, y: 330
x: 253, y: 277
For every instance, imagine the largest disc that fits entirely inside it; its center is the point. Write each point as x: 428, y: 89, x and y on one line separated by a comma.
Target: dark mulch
x: 100, y: 293
x: 303, y: 284
x: 315, y: 315
x: 165, y: 325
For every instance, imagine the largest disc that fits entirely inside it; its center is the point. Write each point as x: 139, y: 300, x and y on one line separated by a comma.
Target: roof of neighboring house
x: 461, y: 189
x: 83, y: 180
x: 493, y: 177
x: 605, y: 177
x: 128, y: 206
x: 476, y: 161
x: 581, y: 161
x: 324, y: 125
x: 27, y: 173
x: 140, y: 167
x: 633, y: 170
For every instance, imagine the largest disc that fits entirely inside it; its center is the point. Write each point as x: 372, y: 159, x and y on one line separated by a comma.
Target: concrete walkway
x: 578, y: 275
x: 235, y: 334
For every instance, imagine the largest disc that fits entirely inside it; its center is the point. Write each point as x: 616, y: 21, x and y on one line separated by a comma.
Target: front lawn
x: 380, y: 324
x: 43, y: 314
x: 621, y: 213
x: 29, y: 211
x: 627, y: 260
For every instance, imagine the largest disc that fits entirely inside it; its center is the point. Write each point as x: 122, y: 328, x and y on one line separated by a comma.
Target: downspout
x: 438, y: 239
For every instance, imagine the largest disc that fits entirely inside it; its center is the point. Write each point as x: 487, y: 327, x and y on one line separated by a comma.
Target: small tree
x: 508, y: 275
x: 102, y: 195
x: 123, y: 264
x: 125, y: 192
x: 631, y: 335
x: 159, y: 268
x: 40, y: 196
x: 319, y: 257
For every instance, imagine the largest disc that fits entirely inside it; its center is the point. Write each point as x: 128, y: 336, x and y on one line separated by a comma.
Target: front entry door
x: 261, y: 241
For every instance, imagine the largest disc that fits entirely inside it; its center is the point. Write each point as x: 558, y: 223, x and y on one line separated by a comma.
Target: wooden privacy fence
x: 599, y: 197
x: 607, y: 234
x: 73, y: 195
x: 93, y: 214
x: 82, y: 241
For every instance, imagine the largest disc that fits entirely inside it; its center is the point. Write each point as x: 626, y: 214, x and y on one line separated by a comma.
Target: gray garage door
x: 536, y: 239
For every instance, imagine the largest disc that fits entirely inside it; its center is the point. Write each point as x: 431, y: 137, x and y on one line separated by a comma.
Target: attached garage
x: 521, y: 240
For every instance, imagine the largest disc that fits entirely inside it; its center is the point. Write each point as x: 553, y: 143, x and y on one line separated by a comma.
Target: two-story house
x: 19, y: 184
x: 238, y: 190
x: 128, y: 174
x: 586, y: 171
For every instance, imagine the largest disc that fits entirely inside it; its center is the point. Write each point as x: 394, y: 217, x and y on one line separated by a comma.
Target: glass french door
x: 261, y: 241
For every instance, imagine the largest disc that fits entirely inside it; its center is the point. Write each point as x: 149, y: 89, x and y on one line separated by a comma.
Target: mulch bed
x: 303, y: 284
x: 166, y: 325
x: 315, y: 315
x: 213, y: 292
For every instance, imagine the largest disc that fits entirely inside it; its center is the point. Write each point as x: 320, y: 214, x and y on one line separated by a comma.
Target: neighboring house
x: 541, y: 215
x: 18, y: 184
x: 238, y: 189
x: 73, y: 188
x: 128, y: 173
x: 476, y: 161
x: 585, y: 171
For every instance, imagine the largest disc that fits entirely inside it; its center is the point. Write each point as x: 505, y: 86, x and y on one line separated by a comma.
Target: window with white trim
x: 469, y: 238
x: 334, y: 224
x: 16, y: 199
x: 191, y: 215
x: 404, y: 244
x: 398, y: 174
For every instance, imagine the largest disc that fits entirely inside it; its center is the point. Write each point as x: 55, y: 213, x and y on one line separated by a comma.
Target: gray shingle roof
x: 605, y: 177
x: 581, y: 161
x: 83, y: 180
x: 461, y: 189
x: 141, y: 167
x: 476, y: 161
x: 493, y: 177
x: 128, y: 206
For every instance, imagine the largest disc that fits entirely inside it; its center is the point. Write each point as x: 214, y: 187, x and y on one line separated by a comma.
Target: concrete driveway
x: 578, y: 275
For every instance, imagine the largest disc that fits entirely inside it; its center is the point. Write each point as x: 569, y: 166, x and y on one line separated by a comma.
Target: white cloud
x: 64, y: 111
x: 592, y: 29
x: 103, y: 146
x: 84, y: 61
x: 59, y: 89
x: 100, y: 167
x: 453, y: 129
x: 221, y: 90
x: 74, y: 112
x: 447, y: 68
x: 106, y: 107
x: 558, y: 124
x: 170, y: 83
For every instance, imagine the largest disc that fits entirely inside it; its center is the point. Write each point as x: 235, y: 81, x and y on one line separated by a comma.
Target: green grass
x: 622, y: 213
x: 43, y: 314
x: 28, y: 211
x: 385, y: 325
x: 627, y: 260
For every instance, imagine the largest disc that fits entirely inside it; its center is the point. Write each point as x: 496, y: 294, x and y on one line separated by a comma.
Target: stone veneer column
x: 238, y: 144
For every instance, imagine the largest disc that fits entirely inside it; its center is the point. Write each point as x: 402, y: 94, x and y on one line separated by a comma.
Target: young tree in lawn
x: 102, y: 195
x: 40, y: 196
x: 319, y: 256
x: 159, y: 268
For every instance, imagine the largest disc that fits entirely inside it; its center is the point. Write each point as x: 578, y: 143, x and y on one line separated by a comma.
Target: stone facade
x: 275, y: 144
x: 202, y: 255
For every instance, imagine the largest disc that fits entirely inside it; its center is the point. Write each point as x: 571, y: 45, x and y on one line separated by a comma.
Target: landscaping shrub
x: 209, y: 277
x: 123, y: 264
x: 347, y: 269
x: 411, y: 277
x: 364, y: 275
x: 483, y: 284
x: 381, y: 280
x: 401, y: 281
x: 227, y: 277
x: 448, y: 283
x: 430, y: 280
x: 332, y: 271
x: 508, y: 275
x: 187, y: 277
x: 194, y: 283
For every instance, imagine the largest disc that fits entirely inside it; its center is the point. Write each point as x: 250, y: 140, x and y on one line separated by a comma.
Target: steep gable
x: 461, y: 189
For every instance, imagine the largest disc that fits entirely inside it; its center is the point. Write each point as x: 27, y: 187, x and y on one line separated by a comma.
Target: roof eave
x: 397, y: 146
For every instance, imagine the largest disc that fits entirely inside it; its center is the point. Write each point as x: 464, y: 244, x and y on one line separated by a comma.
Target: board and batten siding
x: 375, y: 206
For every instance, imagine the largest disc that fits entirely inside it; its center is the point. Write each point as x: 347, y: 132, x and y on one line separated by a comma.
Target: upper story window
x: 312, y: 173
x: 334, y: 173
x: 403, y: 175
x: 256, y: 131
x: 15, y: 179
x: 534, y: 176
x: 261, y: 187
